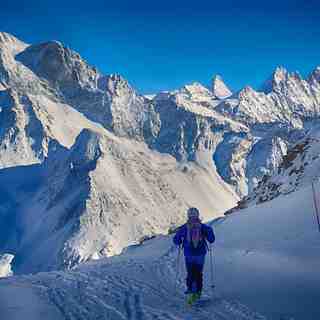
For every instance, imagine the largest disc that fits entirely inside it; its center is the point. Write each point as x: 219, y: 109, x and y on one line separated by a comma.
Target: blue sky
x: 161, y: 45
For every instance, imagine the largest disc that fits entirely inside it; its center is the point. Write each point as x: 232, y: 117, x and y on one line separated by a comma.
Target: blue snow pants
x: 194, y: 266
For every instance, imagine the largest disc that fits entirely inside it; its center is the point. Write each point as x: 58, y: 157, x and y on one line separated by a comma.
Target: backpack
x: 194, y: 232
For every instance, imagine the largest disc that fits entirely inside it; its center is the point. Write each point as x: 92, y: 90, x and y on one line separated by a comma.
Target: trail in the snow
x: 119, y: 288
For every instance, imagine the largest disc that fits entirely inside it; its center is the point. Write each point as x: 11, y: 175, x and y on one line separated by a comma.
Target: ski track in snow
x: 262, y: 269
x: 125, y: 289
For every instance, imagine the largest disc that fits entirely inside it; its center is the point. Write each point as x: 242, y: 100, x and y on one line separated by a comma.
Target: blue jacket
x: 181, y: 238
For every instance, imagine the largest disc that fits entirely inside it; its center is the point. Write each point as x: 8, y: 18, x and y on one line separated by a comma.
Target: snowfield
x: 266, y: 259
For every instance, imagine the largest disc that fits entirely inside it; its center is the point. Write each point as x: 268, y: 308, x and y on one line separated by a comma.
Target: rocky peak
x: 280, y: 79
x: 280, y: 75
x: 117, y: 85
x: 11, y: 43
x: 219, y: 89
x: 59, y: 65
x: 245, y: 92
x: 196, y: 91
x: 7, y: 38
x: 86, y: 150
x: 315, y: 76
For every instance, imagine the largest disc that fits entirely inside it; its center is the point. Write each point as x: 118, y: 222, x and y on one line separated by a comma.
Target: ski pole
x: 316, y: 205
x: 177, y: 269
x: 211, y: 266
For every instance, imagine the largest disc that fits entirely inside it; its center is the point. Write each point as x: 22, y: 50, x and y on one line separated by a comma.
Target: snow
x: 5, y: 265
x: 219, y: 88
x: 265, y: 259
x: 150, y: 96
x: 102, y: 195
x: 274, y: 247
x: 11, y: 43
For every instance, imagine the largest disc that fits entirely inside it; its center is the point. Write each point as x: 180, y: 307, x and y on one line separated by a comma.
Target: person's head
x: 193, y: 213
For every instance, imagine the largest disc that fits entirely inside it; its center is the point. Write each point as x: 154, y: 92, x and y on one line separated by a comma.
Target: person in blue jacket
x: 193, y: 237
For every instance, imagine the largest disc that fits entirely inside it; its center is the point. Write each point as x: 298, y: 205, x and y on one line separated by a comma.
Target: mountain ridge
x: 102, y: 155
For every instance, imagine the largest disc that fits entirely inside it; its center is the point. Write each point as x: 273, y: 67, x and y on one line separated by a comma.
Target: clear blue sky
x: 160, y: 45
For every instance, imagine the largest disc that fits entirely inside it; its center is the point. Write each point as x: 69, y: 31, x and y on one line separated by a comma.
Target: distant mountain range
x: 89, y: 166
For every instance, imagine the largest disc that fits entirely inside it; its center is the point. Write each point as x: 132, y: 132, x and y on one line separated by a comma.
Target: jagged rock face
x: 189, y: 123
x: 131, y: 113
x: 219, y: 88
x: 28, y: 123
x: 60, y: 66
x: 287, y: 99
x: 298, y: 168
x: 108, y: 100
x: 314, y: 80
x: 265, y: 157
x: 59, y: 74
x: 21, y: 132
x: 281, y: 111
x: 230, y: 159
x: 11, y: 43
x: 192, y: 114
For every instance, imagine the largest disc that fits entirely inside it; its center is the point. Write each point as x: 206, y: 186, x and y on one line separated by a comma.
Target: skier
x: 193, y: 237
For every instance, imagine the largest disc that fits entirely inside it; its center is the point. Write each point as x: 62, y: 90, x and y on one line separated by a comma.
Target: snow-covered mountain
x: 89, y: 166
x: 78, y: 180
x: 249, y: 133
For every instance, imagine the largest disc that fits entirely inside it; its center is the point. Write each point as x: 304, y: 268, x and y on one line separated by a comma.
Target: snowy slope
x: 269, y: 254
x: 263, y: 261
x: 135, y: 286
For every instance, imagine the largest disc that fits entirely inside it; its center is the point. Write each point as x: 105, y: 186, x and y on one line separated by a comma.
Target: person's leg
x: 189, y: 279
x: 198, y: 273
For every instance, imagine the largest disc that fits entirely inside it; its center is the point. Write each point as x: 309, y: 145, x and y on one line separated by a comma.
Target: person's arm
x: 210, y: 234
x: 178, y: 238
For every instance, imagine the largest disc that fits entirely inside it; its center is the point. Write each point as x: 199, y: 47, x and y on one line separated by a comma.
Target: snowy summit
x: 219, y: 88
